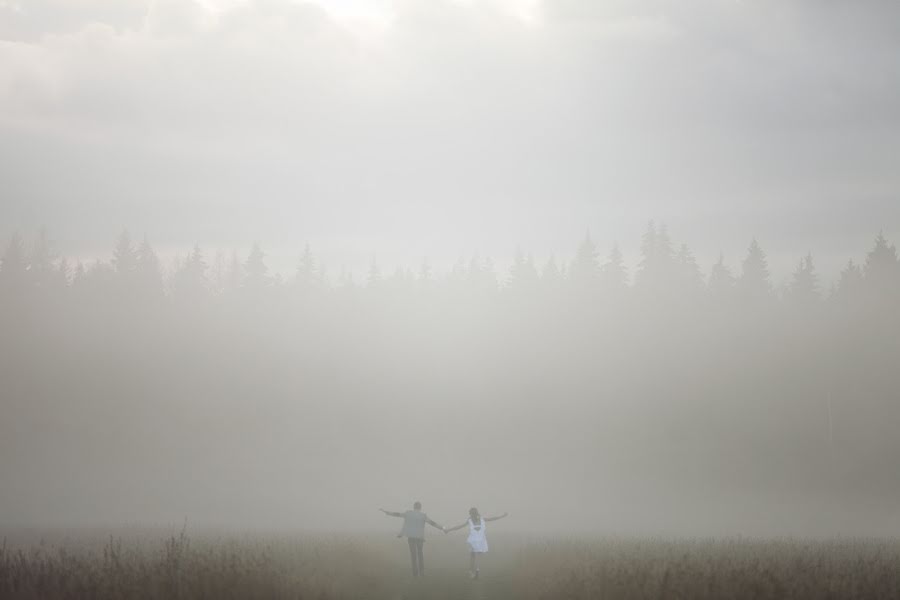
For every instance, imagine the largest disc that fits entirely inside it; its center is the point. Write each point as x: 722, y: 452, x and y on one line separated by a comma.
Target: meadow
x: 141, y: 564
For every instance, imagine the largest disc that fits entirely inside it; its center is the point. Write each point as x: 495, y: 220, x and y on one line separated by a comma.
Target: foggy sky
x: 441, y: 128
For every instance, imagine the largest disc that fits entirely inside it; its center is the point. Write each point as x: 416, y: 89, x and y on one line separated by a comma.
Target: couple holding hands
x: 414, y: 530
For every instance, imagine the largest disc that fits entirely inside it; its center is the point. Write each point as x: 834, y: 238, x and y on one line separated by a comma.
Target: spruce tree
x: 523, y: 276
x: 14, y: 267
x: 804, y: 287
x: 881, y: 271
x: 584, y: 270
x: 307, y: 275
x: 850, y: 284
x: 689, y: 279
x: 721, y: 282
x: 256, y: 273
x: 754, y: 285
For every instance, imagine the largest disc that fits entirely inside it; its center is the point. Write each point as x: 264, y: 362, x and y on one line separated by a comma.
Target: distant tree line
x: 667, y: 274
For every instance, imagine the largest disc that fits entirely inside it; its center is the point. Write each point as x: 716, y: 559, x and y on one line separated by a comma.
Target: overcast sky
x: 439, y: 128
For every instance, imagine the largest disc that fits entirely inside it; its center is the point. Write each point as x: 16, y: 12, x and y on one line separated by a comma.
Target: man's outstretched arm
x: 391, y: 514
x: 435, y: 525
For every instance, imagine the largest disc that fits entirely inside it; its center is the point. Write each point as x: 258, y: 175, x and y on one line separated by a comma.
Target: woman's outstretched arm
x: 391, y: 514
x: 495, y: 518
x: 449, y: 529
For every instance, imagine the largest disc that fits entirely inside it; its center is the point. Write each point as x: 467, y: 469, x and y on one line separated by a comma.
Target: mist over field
x: 614, y: 267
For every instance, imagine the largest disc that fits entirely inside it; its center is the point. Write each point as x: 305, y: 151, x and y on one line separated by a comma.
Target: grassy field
x: 149, y: 565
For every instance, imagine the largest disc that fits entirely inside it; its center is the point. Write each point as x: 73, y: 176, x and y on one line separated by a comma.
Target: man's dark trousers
x: 416, y: 556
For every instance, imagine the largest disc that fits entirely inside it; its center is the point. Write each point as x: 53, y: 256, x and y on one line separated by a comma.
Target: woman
x: 477, y: 540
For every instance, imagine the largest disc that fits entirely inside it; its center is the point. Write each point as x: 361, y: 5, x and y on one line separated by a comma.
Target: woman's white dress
x: 477, y: 540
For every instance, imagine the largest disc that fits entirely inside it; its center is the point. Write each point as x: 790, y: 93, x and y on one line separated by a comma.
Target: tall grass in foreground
x: 316, y: 568
x: 324, y: 568
x: 708, y: 568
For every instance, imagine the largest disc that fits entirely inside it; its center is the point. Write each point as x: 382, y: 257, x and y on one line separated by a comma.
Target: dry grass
x: 321, y: 568
x: 731, y: 568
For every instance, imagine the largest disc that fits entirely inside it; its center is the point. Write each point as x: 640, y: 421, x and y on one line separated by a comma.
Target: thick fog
x: 423, y: 316
x: 678, y: 403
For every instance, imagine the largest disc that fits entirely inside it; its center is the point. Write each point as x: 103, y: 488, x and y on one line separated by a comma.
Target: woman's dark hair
x: 473, y: 513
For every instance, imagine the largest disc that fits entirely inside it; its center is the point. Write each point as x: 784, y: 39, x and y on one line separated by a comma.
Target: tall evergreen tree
x: 234, y: 275
x: 63, y: 274
x: 551, y: 276
x: 850, y: 284
x: 721, y: 282
x: 256, y: 273
x: 125, y: 257
x: 754, y: 284
x: 523, y: 276
x: 882, y: 269
x: 373, y: 279
x: 804, y: 287
x: 14, y: 267
x: 690, y: 281
x: 613, y: 273
x: 41, y: 267
x: 307, y: 276
x: 584, y: 270
x: 148, y: 276
x: 656, y: 270
x: 190, y: 282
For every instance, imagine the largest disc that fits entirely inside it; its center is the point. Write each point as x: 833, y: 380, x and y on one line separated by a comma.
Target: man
x: 414, y: 529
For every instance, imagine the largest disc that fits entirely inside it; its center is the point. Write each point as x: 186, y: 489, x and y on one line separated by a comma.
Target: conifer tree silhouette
x: 523, y: 276
x: 148, y: 277
x: 190, y: 283
x: 256, y: 273
x: 41, y: 263
x: 614, y: 274
x: 850, y: 284
x: 689, y: 279
x: 307, y: 276
x: 881, y: 271
x: 721, y: 282
x: 804, y: 287
x: 14, y: 267
x: 754, y: 285
x: 584, y: 270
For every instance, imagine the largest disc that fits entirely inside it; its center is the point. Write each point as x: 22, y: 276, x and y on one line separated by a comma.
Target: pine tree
x: 523, y: 276
x: 234, y: 274
x: 551, y: 276
x: 62, y: 275
x: 804, y: 287
x: 882, y: 269
x: 307, y: 275
x: 721, y: 282
x: 125, y: 257
x: 584, y: 271
x: 256, y: 273
x: 754, y: 284
x: 147, y: 272
x: 656, y: 269
x: 41, y: 267
x: 690, y: 281
x: 14, y: 267
x: 850, y: 284
x: 190, y: 282
x: 613, y: 274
